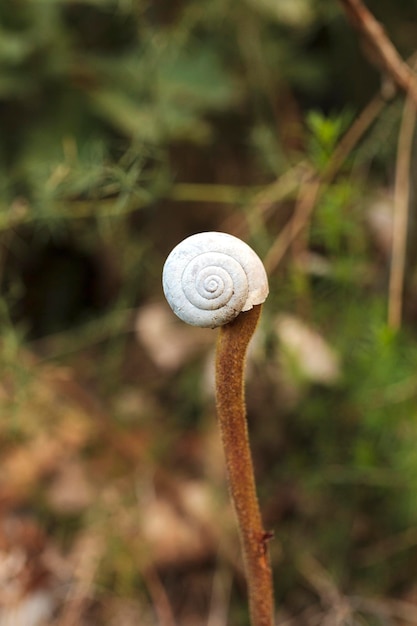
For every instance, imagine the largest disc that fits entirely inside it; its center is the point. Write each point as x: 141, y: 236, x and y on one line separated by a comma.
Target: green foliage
x: 324, y: 135
x: 336, y: 226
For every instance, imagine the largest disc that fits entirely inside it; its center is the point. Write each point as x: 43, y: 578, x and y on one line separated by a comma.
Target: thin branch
x: 312, y: 186
x: 390, y: 609
x: 385, y: 55
x: 160, y: 600
x: 304, y: 208
x: 220, y: 598
x: 401, y: 208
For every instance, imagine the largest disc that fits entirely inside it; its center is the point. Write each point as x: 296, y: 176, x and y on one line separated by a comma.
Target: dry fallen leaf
x: 34, y: 609
x: 307, y: 351
x: 169, y: 342
x: 181, y: 521
x: 26, y: 596
x: 70, y: 491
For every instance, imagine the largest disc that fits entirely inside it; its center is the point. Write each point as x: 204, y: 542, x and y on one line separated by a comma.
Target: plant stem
x: 230, y: 399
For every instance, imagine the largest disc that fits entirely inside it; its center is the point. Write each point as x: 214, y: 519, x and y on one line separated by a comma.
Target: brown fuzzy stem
x: 230, y: 365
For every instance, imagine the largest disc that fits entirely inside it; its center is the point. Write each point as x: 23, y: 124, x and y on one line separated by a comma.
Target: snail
x: 208, y: 280
x: 210, y: 277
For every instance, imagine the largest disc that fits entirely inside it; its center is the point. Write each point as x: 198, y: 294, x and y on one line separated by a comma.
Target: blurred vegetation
x: 124, y: 127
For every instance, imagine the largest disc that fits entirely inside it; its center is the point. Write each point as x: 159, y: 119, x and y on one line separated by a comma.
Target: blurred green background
x: 125, y: 126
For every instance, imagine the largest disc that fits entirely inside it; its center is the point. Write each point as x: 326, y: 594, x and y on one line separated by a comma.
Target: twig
x: 88, y: 556
x: 389, y: 547
x: 264, y: 201
x: 353, y: 135
x: 339, y: 611
x: 220, y: 598
x: 304, y: 208
x: 160, y: 600
x: 405, y: 612
x: 313, y: 187
x: 401, y: 208
x: 223, y: 194
x: 320, y: 580
x: 385, y: 54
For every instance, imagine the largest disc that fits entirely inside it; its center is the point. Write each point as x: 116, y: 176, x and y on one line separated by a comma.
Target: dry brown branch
x: 161, y: 602
x: 304, y: 208
x: 390, y: 609
x: 387, y: 548
x: 86, y: 561
x: 263, y: 203
x: 401, y: 207
x: 338, y: 609
x: 220, y: 598
x: 383, y: 53
x: 307, y: 198
x: 312, y: 186
x: 353, y: 135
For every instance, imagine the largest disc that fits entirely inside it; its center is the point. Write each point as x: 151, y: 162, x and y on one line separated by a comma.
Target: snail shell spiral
x: 209, y: 278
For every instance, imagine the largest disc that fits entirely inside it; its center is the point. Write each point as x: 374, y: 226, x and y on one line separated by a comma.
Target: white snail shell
x: 209, y: 278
